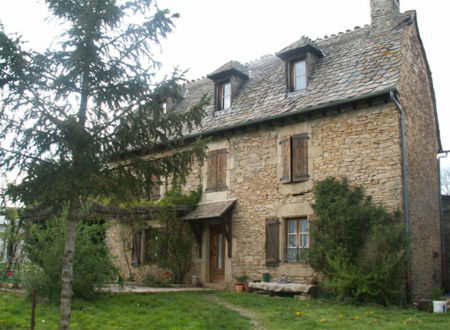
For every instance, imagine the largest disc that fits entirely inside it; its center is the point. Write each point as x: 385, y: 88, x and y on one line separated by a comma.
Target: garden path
x: 256, y: 324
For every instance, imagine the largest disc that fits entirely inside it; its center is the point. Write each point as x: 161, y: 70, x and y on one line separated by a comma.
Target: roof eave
x: 285, y: 115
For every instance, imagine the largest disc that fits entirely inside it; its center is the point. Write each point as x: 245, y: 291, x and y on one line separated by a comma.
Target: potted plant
x: 241, y: 280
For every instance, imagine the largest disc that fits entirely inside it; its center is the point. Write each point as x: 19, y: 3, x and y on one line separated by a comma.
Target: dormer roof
x: 300, y: 47
x: 228, y: 69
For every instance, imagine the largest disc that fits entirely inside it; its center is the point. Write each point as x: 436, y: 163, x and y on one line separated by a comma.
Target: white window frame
x: 225, y: 95
x: 298, y: 239
x: 298, y: 78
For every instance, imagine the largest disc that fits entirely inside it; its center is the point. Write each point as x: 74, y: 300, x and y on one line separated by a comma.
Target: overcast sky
x: 210, y: 33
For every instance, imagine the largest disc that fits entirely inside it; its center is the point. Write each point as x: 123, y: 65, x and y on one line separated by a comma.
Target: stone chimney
x: 384, y: 12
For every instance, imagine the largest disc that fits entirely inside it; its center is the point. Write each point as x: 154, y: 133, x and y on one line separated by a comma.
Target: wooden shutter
x: 300, y: 157
x: 272, y: 242
x: 155, y: 193
x: 212, y: 171
x: 285, y: 144
x: 148, y: 255
x: 221, y: 169
x: 136, y: 249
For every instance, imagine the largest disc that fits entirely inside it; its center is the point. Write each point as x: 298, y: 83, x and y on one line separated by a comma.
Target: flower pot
x: 239, y: 287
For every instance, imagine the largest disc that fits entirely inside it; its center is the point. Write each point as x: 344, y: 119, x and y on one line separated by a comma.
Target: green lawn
x: 289, y: 313
x: 193, y: 310
x: 155, y: 311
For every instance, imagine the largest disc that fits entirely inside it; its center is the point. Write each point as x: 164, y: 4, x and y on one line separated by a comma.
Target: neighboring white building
x: 2, y: 243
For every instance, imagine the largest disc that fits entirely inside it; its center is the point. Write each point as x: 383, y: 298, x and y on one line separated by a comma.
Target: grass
x: 194, y: 311
x: 289, y: 313
x: 155, y: 311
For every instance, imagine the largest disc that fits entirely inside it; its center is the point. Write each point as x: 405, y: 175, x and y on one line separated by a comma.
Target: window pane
x: 292, y: 255
x: 300, y: 83
x: 304, y: 240
x: 226, y: 95
x: 292, y: 241
x: 303, y: 226
x: 300, y: 68
x: 292, y: 226
x: 300, y: 75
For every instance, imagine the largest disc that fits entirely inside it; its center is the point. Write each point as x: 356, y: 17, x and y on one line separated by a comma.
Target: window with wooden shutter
x: 285, y: 144
x: 155, y: 193
x: 151, y: 237
x: 300, y: 157
x: 217, y: 170
x: 272, y: 242
x: 221, y: 169
x: 212, y: 172
x: 294, y: 158
x: 136, y: 250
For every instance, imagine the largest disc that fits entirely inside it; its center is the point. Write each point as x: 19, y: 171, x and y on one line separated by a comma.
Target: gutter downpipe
x: 393, y: 96
x: 441, y: 213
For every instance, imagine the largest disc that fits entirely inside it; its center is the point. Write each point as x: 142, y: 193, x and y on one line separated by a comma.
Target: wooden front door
x: 217, y: 254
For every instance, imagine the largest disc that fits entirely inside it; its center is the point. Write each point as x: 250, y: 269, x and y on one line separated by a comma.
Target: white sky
x: 210, y: 33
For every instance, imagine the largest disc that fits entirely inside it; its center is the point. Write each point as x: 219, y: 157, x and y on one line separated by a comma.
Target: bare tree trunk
x: 67, y: 269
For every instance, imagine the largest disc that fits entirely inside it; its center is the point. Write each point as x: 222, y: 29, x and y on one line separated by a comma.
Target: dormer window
x: 297, y: 75
x: 300, y: 59
x: 228, y: 80
x: 224, y: 95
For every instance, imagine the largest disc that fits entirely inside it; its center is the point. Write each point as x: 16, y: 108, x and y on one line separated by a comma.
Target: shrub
x: 176, y: 241
x: 358, y: 246
x: 92, y: 264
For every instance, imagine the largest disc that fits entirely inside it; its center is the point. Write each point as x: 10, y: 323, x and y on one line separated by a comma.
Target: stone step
x: 216, y: 286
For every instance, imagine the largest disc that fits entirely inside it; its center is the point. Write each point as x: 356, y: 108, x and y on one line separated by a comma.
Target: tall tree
x: 84, y: 119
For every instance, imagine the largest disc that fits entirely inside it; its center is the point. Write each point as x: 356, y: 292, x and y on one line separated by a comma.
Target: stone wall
x: 422, y: 146
x: 361, y: 143
x: 119, y: 240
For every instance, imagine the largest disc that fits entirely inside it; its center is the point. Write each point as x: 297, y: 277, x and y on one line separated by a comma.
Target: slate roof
x: 233, y: 67
x: 304, y: 44
x: 356, y: 63
x: 210, y: 210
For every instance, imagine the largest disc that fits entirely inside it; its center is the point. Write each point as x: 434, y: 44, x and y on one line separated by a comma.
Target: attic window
x: 297, y: 75
x: 224, y: 93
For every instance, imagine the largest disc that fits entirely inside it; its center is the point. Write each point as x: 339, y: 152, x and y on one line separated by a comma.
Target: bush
x: 92, y: 264
x: 175, y: 242
x: 158, y: 281
x: 358, y: 246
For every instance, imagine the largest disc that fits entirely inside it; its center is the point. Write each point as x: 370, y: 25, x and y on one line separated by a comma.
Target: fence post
x: 33, y: 309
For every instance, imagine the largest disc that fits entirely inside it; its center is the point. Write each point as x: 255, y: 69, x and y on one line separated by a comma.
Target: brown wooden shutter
x: 212, y: 171
x: 272, y: 242
x: 155, y: 193
x: 147, y: 246
x: 221, y: 169
x: 300, y: 157
x: 136, y: 249
x: 285, y: 144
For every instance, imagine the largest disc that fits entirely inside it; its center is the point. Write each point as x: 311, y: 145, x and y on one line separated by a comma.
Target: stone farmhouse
x: 358, y: 104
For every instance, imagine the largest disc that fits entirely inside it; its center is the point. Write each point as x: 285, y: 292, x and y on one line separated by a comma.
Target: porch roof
x: 210, y: 210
